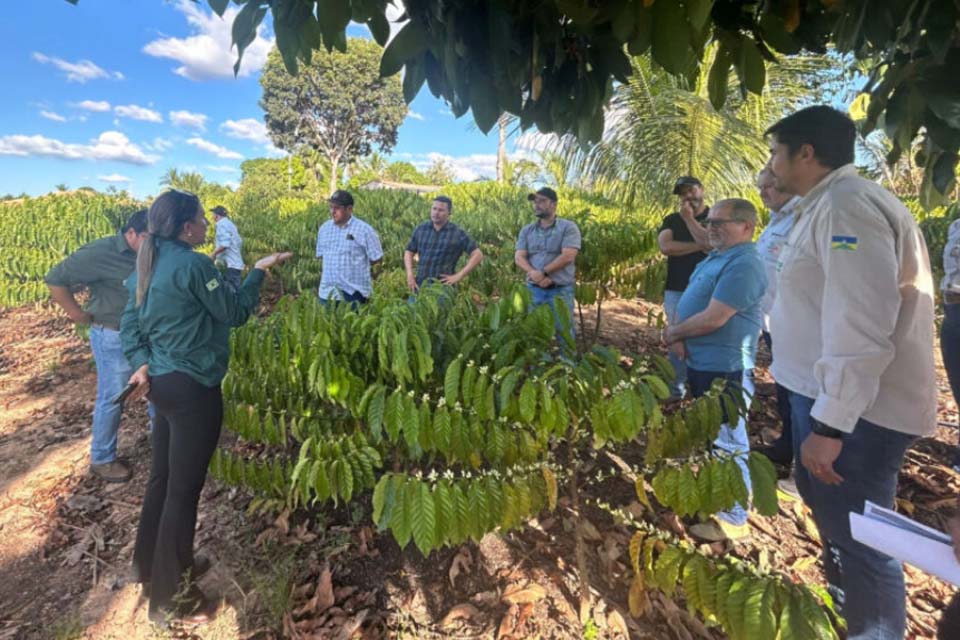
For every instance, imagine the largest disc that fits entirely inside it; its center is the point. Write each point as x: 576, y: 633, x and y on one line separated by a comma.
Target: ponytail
x: 165, y: 219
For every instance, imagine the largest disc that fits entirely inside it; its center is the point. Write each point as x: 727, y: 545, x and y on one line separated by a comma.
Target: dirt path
x: 66, y: 538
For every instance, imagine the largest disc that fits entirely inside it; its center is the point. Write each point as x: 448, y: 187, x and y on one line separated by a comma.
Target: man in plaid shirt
x: 347, y: 246
x: 439, y: 244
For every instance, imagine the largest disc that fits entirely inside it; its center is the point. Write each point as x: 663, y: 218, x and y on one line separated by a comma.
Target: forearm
x: 524, y: 264
x: 699, y: 324
x: 408, y: 263
x: 675, y: 248
x: 475, y: 259
x: 699, y: 233
x: 63, y: 297
x: 558, y: 263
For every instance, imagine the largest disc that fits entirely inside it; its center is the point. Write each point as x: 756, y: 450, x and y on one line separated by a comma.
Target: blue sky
x: 116, y: 93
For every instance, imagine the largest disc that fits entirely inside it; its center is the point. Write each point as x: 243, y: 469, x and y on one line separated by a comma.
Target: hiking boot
x: 717, y: 530
x: 115, y: 471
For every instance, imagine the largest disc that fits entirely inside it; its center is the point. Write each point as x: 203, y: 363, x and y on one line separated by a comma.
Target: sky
x: 108, y: 93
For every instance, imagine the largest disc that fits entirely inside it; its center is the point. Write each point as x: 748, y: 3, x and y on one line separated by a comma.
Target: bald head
x: 731, y: 222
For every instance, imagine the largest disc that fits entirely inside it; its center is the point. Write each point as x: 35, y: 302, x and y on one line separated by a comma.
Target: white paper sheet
x: 904, y: 539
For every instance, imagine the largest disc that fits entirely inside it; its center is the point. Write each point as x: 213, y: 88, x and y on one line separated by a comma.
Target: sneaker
x: 717, y: 530
x: 115, y: 471
x: 787, y: 488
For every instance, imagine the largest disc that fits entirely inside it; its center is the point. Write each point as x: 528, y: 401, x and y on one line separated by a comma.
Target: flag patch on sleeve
x: 213, y: 284
x: 844, y: 243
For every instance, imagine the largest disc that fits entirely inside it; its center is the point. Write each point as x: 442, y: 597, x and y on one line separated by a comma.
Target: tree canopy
x: 337, y: 105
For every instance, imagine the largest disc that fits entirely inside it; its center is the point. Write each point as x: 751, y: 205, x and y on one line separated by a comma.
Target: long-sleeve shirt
x: 184, y: 322
x: 101, y: 266
x: 951, y: 260
x: 854, y: 309
x: 769, y: 245
x: 228, y: 236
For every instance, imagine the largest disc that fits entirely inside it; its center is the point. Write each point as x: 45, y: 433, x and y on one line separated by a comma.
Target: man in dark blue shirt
x: 438, y: 245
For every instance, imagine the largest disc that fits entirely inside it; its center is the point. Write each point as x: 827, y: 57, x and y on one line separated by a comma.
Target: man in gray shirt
x: 546, y: 251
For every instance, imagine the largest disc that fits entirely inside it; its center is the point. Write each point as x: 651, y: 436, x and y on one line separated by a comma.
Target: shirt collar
x: 821, y: 187
x: 737, y: 248
x: 786, y: 210
x: 121, y: 243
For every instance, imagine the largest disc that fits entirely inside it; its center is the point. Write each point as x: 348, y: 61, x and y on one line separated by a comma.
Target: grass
x: 68, y: 627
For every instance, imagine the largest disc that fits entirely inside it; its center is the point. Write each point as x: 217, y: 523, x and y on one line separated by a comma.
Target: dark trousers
x: 185, y: 433
x: 783, y: 446
x: 232, y: 278
x: 354, y: 299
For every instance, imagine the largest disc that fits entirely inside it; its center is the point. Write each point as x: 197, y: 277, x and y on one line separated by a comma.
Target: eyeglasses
x: 719, y: 223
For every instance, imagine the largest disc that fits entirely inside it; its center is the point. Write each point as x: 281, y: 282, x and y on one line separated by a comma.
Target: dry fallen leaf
x: 517, y: 594
x: 617, y: 624
x: 462, y: 611
x: 589, y: 531
x: 509, y: 623
x: 461, y: 563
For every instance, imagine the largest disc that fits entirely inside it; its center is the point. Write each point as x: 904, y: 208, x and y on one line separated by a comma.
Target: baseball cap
x: 685, y: 181
x: 546, y: 192
x: 342, y: 198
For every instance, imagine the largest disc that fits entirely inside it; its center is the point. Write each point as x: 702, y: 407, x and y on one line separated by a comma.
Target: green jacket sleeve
x: 222, y: 302
x: 134, y: 343
x: 79, y: 268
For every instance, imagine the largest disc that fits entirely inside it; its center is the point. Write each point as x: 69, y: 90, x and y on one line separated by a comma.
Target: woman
x: 950, y: 329
x: 175, y: 332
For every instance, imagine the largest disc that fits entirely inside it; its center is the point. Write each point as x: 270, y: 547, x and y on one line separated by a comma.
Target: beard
x: 541, y: 214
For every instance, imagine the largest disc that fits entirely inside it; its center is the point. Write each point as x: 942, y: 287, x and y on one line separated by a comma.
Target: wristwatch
x: 824, y: 430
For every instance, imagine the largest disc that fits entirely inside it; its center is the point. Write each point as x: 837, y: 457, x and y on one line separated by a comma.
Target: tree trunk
x: 334, y: 164
x: 502, y: 150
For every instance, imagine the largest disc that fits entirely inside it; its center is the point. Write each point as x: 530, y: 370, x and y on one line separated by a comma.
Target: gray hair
x: 740, y: 210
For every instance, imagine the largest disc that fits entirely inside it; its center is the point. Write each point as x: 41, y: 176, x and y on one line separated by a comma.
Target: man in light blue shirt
x: 347, y: 246
x: 719, y: 322
x: 228, y: 244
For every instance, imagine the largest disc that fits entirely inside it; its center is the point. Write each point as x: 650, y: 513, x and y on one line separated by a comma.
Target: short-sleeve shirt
x: 438, y: 251
x: 347, y: 252
x: 544, y: 245
x: 769, y: 246
x: 736, y: 278
x: 679, y: 268
x: 101, y: 266
x: 228, y: 236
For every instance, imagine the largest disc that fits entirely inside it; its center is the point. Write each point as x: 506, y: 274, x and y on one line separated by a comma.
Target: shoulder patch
x: 213, y: 284
x: 843, y: 243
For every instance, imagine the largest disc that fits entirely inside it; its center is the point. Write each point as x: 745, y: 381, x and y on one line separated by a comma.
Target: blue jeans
x: 733, y: 439
x: 354, y: 299
x: 950, y: 347
x: 546, y: 296
x: 113, y: 372
x: 678, y: 387
x: 868, y: 585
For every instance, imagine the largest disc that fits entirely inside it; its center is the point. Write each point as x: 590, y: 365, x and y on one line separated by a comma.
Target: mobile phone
x: 125, y: 393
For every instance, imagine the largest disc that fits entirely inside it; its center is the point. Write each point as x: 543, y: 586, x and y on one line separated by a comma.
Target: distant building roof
x: 401, y: 186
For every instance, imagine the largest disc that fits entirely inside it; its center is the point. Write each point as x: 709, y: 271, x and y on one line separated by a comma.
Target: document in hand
x: 907, y: 540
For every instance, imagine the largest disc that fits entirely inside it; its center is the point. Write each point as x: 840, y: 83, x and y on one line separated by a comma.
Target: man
x: 439, y: 244
x: 684, y: 241
x: 716, y: 330
x: 102, y: 266
x: 348, y: 247
x: 546, y: 251
x: 228, y: 243
x: 855, y: 305
x: 770, y: 245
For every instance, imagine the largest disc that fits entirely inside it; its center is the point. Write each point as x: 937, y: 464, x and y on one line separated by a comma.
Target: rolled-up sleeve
x: 861, y: 304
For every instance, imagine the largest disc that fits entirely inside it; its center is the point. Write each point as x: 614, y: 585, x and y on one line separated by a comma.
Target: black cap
x: 219, y: 210
x: 685, y: 181
x: 342, y: 198
x: 546, y: 192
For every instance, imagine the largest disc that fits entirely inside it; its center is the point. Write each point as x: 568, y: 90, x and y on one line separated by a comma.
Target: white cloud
x: 416, y: 116
x: 137, y: 113
x: 447, y: 112
x: 189, y: 119
x: 466, y: 168
x: 217, y: 150
x: 159, y: 145
x: 208, y: 52
x: 80, y: 71
x: 246, y: 129
x: 93, y: 105
x: 50, y: 115
x: 110, y: 145
x: 114, y: 178
x: 221, y: 168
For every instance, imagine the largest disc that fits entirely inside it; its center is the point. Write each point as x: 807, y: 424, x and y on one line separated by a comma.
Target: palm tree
x: 661, y: 126
x: 186, y: 181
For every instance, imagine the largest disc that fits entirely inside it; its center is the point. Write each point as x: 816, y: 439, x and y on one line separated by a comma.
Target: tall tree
x: 337, y: 105
x: 404, y: 172
x: 440, y: 172
x: 185, y: 181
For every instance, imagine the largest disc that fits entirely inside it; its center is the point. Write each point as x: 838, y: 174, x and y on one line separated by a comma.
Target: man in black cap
x: 547, y: 250
x: 684, y: 240
x: 347, y: 246
x: 228, y: 245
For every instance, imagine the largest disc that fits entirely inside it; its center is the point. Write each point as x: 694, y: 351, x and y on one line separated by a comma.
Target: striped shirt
x: 439, y: 251
x: 347, y: 252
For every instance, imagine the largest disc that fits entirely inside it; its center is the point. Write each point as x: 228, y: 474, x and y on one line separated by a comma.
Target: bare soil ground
x: 66, y: 538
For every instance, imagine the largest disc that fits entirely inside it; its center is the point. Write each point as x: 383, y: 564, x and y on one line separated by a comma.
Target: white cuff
x: 835, y: 413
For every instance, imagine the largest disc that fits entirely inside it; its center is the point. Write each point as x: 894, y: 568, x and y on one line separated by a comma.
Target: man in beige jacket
x: 855, y: 312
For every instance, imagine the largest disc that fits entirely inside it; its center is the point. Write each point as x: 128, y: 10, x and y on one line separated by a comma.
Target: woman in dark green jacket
x: 175, y: 332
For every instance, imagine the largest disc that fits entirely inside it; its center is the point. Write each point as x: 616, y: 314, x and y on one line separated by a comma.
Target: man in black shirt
x: 684, y: 240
